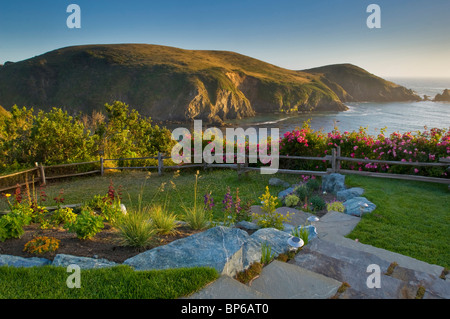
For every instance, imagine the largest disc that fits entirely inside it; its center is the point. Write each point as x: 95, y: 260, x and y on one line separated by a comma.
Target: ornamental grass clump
x: 199, y: 216
x: 136, y: 228
x: 163, y: 221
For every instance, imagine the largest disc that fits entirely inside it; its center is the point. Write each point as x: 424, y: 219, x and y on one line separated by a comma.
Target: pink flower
x: 416, y: 170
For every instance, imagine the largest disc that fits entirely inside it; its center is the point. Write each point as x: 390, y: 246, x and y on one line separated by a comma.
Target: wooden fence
x: 39, y: 173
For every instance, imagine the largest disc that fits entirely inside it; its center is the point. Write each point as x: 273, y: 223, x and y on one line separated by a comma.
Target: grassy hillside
x: 351, y: 83
x: 165, y: 83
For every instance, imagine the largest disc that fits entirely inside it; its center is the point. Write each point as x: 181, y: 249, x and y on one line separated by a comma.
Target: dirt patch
x: 104, y: 245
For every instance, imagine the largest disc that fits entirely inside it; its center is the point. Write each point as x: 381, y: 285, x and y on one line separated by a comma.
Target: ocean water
x: 394, y: 116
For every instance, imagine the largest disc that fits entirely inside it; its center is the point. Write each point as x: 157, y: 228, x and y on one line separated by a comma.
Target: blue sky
x: 296, y: 34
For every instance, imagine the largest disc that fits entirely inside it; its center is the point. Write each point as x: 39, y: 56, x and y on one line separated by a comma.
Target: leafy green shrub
x: 336, y: 206
x: 313, y: 184
x: 11, y: 225
x: 164, y: 222
x: 86, y: 225
x: 269, y: 202
x: 136, y: 229
x: 302, y: 192
x: 63, y: 215
x: 318, y: 203
x: 291, y: 200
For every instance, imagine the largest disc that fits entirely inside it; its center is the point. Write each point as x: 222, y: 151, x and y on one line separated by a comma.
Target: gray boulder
x: 62, y: 260
x: 312, y: 231
x: 15, y: 261
x: 358, y: 206
x: 247, y: 225
x: 333, y: 183
x: 219, y: 247
x: 286, y: 192
x: 278, y: 182
x: 276, y: 239
x: 349, y: 193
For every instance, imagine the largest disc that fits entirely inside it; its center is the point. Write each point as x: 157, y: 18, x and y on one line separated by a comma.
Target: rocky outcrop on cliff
x: 444, y: 97
x: 353, y: 84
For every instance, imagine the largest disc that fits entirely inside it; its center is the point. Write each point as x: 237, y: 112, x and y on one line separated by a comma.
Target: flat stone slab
x: 285, y: 281
x: 15, y: 261
x: 336, y: 224
x: 389, y: 256
x: 218, y: 247
x: 346, y: 265
x: 62, y: 260
x: 227, y: 288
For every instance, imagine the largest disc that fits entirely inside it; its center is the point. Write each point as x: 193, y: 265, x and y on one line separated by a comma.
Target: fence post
x: 41, y: 173
x: 160, y: 164
x: 338, y: 161
x: 333, y: 160
x: 102, y: 171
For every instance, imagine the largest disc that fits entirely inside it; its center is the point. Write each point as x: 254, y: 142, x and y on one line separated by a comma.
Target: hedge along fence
x: 332, y: 164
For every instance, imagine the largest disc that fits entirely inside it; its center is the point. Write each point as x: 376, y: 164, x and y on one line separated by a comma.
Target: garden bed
x: 103, y: 245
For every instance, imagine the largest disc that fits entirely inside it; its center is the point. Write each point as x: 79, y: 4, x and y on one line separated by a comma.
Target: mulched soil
x: 103, y: 245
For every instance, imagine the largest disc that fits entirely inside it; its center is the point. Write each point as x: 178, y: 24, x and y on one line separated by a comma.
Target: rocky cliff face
x: 177, y: 85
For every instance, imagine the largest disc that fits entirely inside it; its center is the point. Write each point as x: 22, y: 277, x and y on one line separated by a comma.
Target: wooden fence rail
x: 334, y: 159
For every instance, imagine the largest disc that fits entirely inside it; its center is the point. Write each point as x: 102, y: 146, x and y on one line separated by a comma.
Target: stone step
x: 281, y: 280
x: 388, y: 256
x: 351, y: 266
x: 228, y: 288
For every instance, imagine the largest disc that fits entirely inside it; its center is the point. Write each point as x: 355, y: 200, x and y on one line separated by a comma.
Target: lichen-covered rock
x: 15, y: 261
x: 333, y: 183
x: 358, y: 206
x: 218, y: 247
x: 276, y: 239
x: 63, y: 260
x: 349, y: 193
x: 278, y: 182
x: 286, y: 192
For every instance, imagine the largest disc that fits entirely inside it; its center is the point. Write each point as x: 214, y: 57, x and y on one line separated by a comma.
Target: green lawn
x: 138, y: 183
x: 411, y: 218
x: 120, y: 282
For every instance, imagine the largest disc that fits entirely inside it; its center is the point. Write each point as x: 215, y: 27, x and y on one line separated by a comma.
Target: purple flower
x: 209, y: 201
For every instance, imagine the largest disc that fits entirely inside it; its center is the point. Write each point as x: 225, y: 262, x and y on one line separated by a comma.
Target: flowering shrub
x: 336, y: 206
x: 86, y: 225
x: 42, y: 245
x: 426, y: 146
x: 270, y: 218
